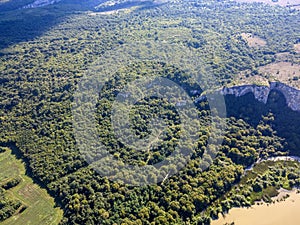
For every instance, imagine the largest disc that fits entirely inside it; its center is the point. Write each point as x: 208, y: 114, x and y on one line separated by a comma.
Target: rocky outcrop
x: 261, y: 93
x: 40, y: 3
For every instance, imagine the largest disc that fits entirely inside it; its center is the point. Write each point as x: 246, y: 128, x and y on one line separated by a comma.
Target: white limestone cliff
x: 41, y: 3
x: 261, y: 93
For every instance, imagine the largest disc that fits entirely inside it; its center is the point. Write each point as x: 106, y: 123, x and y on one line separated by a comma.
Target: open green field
x: 40, y: 206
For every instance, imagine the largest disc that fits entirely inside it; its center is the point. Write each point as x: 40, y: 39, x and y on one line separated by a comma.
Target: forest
x: 44, y: 54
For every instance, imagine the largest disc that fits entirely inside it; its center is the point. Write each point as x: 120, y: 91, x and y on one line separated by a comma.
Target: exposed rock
x: 41, y: 3
x: 261, y: 93
x: 291, y: 95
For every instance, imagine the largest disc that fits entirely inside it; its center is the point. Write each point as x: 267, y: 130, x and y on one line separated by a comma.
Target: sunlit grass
x: 40, y: 206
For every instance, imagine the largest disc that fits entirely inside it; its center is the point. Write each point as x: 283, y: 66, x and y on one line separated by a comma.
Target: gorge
x: 261, y: 93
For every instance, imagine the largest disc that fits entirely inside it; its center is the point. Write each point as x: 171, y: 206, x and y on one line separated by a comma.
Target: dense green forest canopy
x: 44, y: 53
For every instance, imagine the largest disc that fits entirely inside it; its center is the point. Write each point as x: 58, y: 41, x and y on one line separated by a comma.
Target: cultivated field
x: 40, y: 206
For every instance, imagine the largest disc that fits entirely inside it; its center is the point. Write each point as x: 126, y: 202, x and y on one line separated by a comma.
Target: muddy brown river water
x: 284, y: 212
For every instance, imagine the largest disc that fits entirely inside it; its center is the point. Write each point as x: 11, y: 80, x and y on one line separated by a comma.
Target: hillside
x: 68, y: 68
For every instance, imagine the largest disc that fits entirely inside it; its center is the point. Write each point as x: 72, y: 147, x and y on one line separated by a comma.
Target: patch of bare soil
x: 109, y: 12
x: 28, y: 191
x: 285, y: 72
x: 4, y: 1
x: 246, y: 77
x: 253, y: 40
x: 285, y: 3
x: 283, y: 56
x: 297, y: 48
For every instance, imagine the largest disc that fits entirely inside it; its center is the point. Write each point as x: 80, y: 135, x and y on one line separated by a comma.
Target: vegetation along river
x: 278, y: 213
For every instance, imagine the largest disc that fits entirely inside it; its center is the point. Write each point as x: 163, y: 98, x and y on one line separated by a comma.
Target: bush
x: 12, y: 183
x: 2, y: 149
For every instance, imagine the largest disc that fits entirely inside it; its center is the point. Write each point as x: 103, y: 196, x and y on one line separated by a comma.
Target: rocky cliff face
x: 40, y: 3
x: 261, y: 93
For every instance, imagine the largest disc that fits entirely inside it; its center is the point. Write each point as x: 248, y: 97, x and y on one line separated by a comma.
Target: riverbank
x: 278, y: 213
x: 274, y: 159
x: 281, y: 212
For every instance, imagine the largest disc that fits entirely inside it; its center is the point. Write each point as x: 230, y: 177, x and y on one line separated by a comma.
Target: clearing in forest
x: 285, y: 3
x: 40, y: 207
x: 253, y: 40
x: 297, y: 48
x: 285, y: 72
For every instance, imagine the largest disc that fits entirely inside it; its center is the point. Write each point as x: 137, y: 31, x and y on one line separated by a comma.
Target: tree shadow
x: 21, y: 25
x: 286, y: 121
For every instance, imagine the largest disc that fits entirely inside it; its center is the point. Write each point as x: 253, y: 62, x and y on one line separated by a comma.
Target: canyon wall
x: 40, y: 3
x: 261, y: 93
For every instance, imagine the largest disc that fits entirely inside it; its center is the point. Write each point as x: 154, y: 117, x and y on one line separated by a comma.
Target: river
x: 279, y: 213
x: 274, y: 159
x: 282, y: 212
